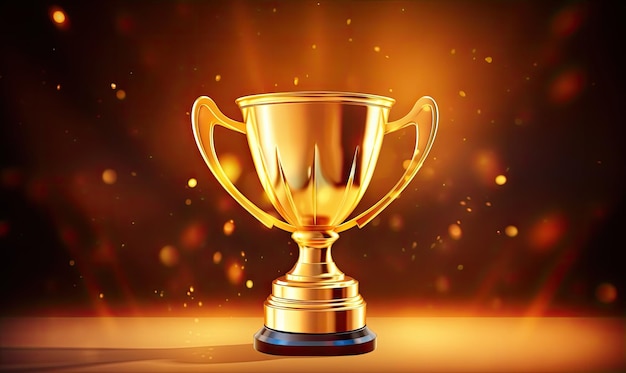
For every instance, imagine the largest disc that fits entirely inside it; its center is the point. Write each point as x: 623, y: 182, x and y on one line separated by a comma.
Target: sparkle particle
x: 59, y: 17
x: 488, y: 59
x: 500, y: 180
x: 192, y: 182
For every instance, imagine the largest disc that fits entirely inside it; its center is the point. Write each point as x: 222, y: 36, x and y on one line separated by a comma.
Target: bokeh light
x: 500, y: 180
x: 229, y: 227
x: 606, y: 293
x: 109, y: 176
x: 455, y: 232
x: 169, y: 256
x: 511, y: 231
x: 59, y: 17
x: 120, y: 94
x: 217, y: 257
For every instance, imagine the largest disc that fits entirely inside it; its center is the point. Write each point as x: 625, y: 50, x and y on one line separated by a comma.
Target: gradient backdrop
x: 107, y: 208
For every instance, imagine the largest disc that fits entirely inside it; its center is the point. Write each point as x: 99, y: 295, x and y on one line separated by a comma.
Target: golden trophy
x: 315, y: 154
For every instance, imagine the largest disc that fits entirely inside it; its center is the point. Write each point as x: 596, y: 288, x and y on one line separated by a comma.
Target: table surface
x: 405, y: 344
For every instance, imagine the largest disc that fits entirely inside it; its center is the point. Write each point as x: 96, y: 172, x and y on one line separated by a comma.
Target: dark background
x: 97, y: 215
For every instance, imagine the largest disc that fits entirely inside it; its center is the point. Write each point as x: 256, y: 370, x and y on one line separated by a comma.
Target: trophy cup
x: 315, y: 154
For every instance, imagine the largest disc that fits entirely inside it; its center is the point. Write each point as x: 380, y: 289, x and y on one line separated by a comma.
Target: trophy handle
x: 210, y: 157
x: 416, y: 161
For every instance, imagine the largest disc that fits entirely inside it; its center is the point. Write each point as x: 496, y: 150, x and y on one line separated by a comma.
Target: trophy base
x: 353, y: 342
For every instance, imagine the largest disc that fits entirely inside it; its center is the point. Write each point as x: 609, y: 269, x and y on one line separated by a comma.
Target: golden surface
x: 405, y: 344
x: 315, y: 154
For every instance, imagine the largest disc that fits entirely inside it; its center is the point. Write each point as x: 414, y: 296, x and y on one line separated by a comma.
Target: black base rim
x: 274, y: 342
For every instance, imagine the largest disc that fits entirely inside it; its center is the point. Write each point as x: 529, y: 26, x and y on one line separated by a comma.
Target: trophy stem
x: 315, y: 262
x: 315, y: 309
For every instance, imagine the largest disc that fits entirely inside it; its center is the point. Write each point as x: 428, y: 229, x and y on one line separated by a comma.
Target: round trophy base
x: 353, y: 342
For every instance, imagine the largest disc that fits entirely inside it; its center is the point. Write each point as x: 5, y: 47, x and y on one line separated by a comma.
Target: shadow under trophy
x: 315, y: 153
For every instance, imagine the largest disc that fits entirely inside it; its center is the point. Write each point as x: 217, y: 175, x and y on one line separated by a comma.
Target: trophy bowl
x: 315, y: 153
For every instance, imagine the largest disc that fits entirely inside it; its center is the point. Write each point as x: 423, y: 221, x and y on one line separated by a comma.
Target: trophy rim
x: 314, y: 96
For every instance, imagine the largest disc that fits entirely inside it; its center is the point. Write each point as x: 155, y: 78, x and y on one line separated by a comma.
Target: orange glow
x: 567, y: 21
x: 4, y: 228
x: 234, y: 273
x: 193, y: 236
x: 566, y: 86
x: 442, y: 284
x: 552, y: 282
x: 396, y: 222
x: 546, y: 233
x: 232, y: 167
x: 413, y: 344
x: 486, y: 165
